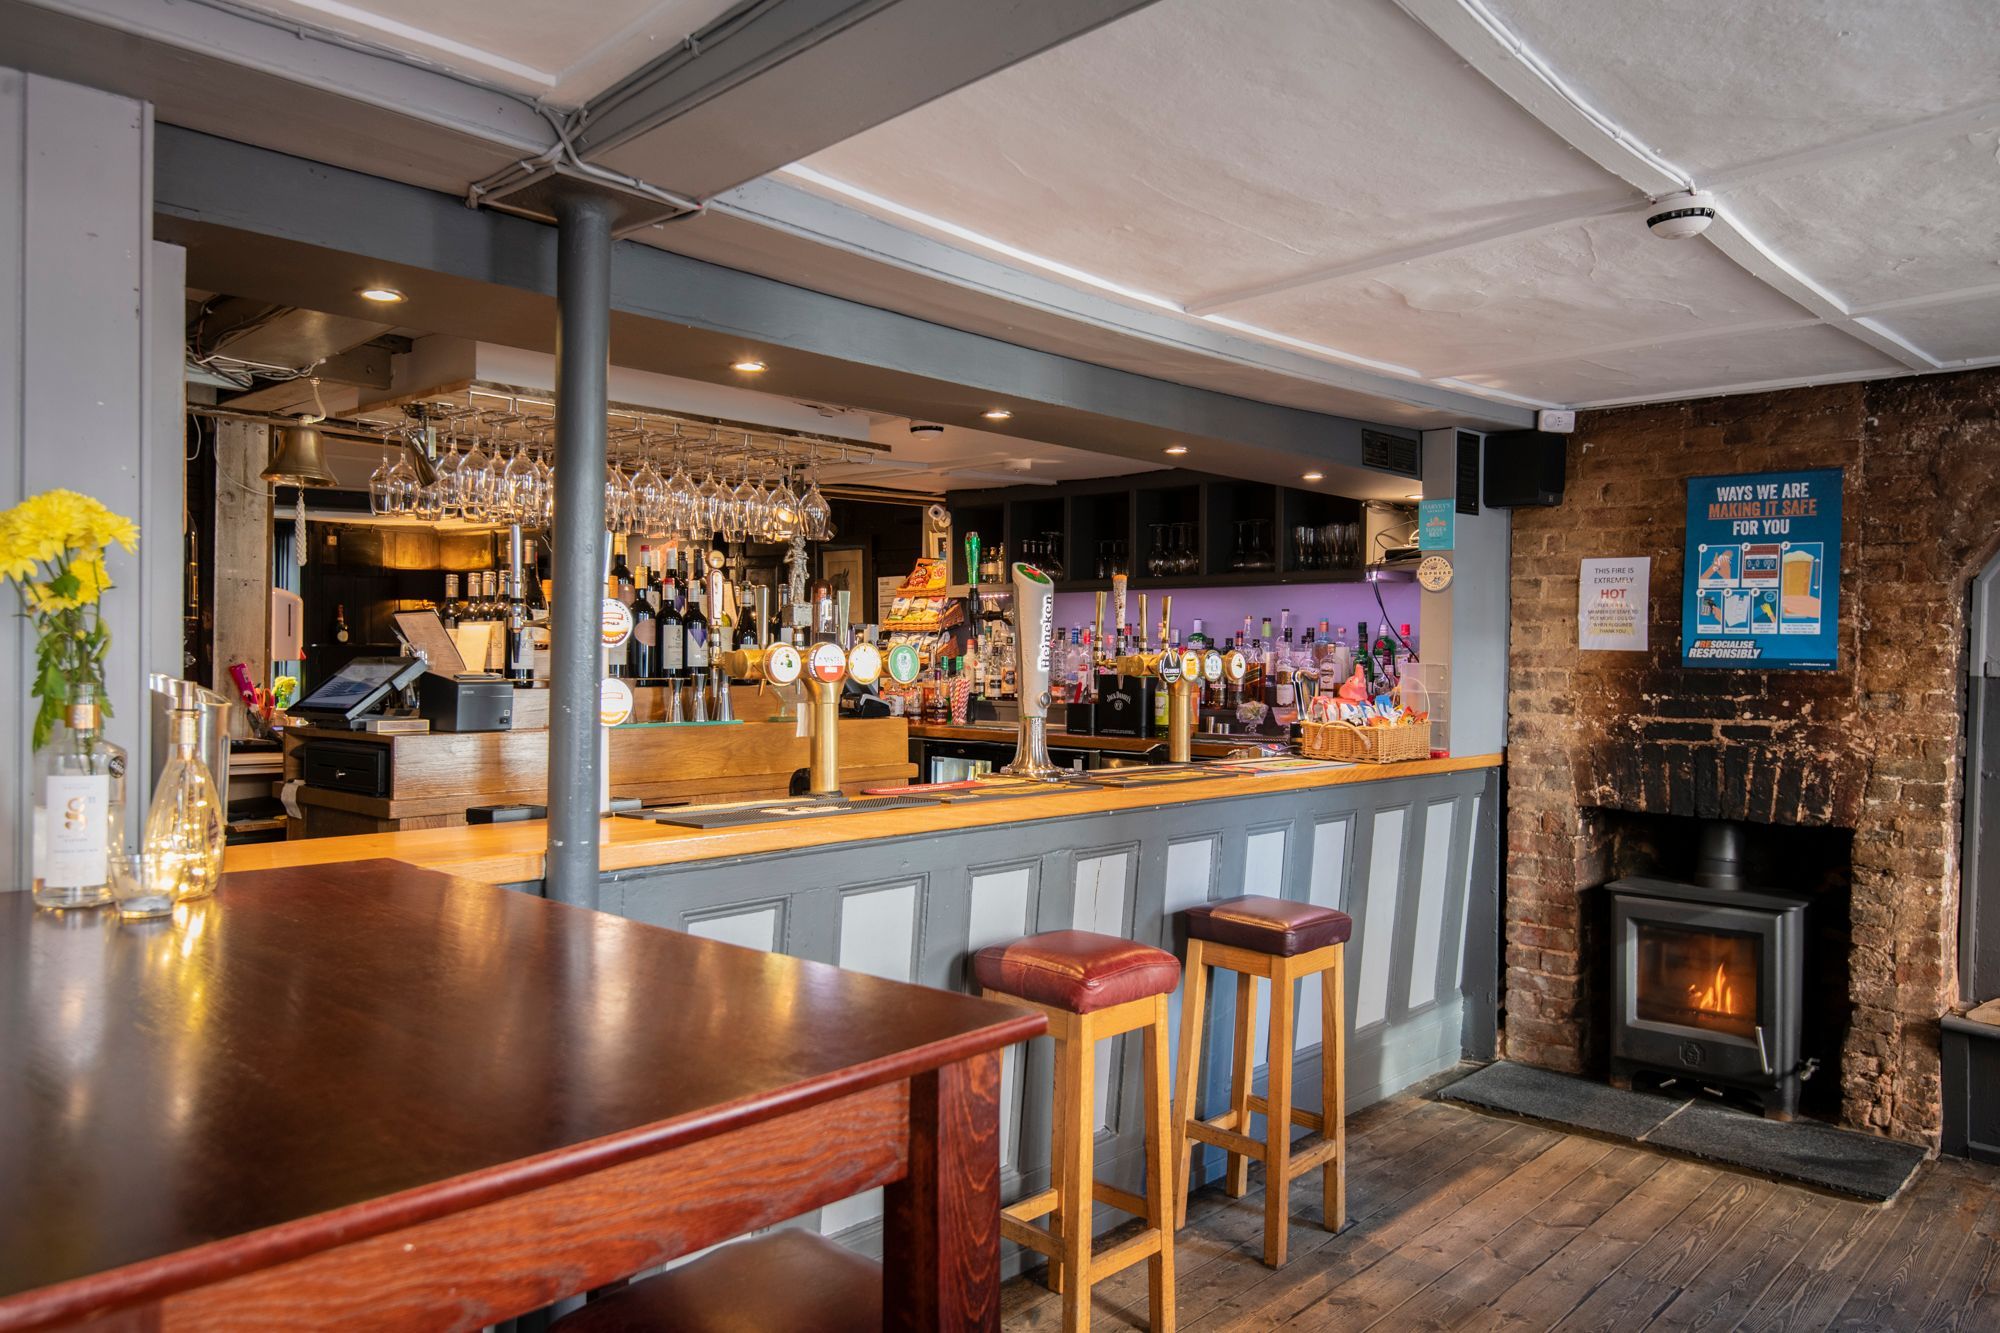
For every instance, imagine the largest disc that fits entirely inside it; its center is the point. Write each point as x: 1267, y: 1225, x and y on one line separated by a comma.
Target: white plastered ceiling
x: 1455, y: 190
x: 560, y: 53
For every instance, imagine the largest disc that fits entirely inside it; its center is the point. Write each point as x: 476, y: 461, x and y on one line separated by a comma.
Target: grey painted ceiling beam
x: 273, y: 227
x: 282, y: 87
x: 774, y: 81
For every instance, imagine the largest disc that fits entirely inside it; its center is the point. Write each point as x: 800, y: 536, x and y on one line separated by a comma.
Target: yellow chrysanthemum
x: 42, y: 527
x: 91, y: 576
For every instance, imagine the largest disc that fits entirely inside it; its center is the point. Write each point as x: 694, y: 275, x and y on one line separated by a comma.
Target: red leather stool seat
x: 791, y: 1279
x: 1275, y: 926
x: 1077, y: 970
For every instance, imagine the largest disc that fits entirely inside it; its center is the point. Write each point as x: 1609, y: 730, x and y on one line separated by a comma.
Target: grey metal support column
x: 583, y: 347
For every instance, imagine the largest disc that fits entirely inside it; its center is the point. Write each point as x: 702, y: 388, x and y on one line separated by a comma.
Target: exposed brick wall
x: 1874, y: 746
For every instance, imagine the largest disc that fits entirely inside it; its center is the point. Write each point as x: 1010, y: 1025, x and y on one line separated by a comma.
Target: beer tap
x: 1035, y: 610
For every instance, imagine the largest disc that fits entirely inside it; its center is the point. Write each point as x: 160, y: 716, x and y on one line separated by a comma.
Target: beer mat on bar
x: 783, y: 812
x: 1278, y: 764
x: 1156, y: 776
x: 1805, y: 1152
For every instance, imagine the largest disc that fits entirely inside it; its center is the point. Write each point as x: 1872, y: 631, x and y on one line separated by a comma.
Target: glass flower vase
x: 186, y: 822
x: 79, y: 806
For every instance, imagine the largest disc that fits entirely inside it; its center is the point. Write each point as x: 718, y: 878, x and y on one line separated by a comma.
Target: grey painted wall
x: 90, y: 388
x: 1466, y: 624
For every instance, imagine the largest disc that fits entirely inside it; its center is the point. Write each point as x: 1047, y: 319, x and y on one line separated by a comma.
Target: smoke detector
x: 926, y: 429
x: 1680, y: 216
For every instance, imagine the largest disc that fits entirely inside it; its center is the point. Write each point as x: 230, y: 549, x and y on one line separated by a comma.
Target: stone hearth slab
x: 1540, y: 1094
x: 1802, y: 1151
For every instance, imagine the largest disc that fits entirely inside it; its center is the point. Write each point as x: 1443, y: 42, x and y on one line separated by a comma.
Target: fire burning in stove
x: 1717, y: 998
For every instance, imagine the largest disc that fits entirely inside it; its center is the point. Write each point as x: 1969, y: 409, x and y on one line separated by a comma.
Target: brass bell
x: 297, y: 461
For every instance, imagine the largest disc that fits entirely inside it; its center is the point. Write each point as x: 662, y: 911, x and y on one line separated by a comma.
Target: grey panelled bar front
x: 1412, y: 859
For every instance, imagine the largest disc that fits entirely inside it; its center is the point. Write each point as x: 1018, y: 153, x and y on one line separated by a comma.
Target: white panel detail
x: 838, y: 1217
x: 878, y: 932
x: 878, y: 935
x: 1190, y: 872
x: 1100, y: 893
x: 1378, y: 918
x: 753, y: 930
x: 1000, y: 901
x: 1327, y: 884
x: 1190, y: 868
x: 1264, y: 863
x: 1101, y: 906
x: 1424, y: 953
x: 1457, y: 943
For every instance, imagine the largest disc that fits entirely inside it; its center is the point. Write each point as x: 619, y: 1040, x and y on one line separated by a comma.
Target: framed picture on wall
x: 845, y: 568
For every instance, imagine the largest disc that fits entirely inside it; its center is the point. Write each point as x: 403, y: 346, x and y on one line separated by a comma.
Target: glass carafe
x: 186, y: 821
x: 79, y: 810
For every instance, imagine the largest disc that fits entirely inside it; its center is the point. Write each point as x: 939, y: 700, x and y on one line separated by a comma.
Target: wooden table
x: 378, y: 1096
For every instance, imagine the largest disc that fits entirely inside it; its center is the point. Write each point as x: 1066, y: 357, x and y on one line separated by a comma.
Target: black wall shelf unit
x: 1210, y: 525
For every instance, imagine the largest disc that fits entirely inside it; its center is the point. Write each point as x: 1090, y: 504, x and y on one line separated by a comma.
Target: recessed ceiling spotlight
x: 1414, y: 495
x: 1176, y: 449
x: 1315, y: 476
x: 748, y: 365
x: 386, y: 295
x: 997, y: 414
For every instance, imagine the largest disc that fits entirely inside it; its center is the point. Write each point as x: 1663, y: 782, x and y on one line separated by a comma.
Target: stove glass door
x: 1695, y: 978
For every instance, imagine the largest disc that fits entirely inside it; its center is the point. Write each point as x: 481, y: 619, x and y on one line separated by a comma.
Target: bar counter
x: 1408, y: 850
x: 512, y: 853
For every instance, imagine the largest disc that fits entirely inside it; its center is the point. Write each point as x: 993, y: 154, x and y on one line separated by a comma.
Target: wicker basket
x: 1365, y: 745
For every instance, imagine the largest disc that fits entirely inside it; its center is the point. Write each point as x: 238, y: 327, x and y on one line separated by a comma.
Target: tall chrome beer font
x: 1035, y: 623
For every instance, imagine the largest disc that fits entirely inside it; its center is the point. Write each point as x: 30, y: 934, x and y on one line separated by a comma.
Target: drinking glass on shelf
x: 1305, y: 540
x: 1052, y: 558
x: 1156, y: 554
x: 1260, y: 545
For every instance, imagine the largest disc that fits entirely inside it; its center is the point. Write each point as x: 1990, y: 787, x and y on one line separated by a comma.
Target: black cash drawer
x: 344, y: 766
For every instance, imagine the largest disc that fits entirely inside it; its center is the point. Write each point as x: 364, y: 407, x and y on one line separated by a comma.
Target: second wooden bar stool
x: 1283, y: 941
x: 1092, y: 987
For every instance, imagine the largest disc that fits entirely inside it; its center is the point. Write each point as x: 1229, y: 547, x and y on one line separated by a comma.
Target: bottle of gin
x: 79, y: 810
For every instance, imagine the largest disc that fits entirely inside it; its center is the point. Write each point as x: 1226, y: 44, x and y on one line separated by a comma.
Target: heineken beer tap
x: 1035, y: 620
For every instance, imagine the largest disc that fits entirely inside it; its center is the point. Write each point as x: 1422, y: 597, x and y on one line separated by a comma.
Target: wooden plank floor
x: 1466, y: 1221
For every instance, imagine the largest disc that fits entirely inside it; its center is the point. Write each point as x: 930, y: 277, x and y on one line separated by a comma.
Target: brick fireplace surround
x: 1874, y: 746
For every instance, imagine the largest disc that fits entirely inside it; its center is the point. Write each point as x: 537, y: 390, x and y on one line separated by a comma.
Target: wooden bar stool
x: 1283, y: 941
x: 788, y: 1279
x: 1092, y: 987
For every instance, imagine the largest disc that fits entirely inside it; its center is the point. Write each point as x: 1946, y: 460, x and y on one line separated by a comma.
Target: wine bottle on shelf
x: 619, y: 583
x: 670, y: 639
x: 694, y: 623
x: 642, y: 665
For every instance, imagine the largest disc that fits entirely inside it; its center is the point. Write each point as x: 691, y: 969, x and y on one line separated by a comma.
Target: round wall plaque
x: 1434, y: 573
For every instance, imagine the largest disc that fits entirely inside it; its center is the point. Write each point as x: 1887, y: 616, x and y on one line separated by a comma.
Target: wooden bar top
x: 1003, y: 733
x: 320, y: 1055
x: 512, y: 853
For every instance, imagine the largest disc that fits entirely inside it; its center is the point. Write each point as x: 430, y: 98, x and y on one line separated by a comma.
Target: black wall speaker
x: 1524, y: 468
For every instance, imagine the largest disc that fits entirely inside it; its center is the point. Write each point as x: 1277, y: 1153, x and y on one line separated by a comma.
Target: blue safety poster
x: 1762, y: 584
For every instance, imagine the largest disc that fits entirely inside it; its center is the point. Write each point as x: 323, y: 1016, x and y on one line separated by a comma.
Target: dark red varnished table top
x: 337, y: 1050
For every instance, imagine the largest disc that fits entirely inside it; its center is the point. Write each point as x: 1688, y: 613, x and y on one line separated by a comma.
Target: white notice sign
x: 1611, y: 604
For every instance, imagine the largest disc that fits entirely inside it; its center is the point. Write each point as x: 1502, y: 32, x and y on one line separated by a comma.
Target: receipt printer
x: 473, y: 701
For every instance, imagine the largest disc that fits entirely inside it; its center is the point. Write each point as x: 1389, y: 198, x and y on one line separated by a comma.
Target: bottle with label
x: 1365, y: 659
x: 79, y: 813
x: 694, y: 625
x: 669, y: 638
x: 448, y: 609
x: 642, y: 664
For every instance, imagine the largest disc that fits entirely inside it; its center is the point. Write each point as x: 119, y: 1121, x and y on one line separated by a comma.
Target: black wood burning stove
x: 1708, y: 977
